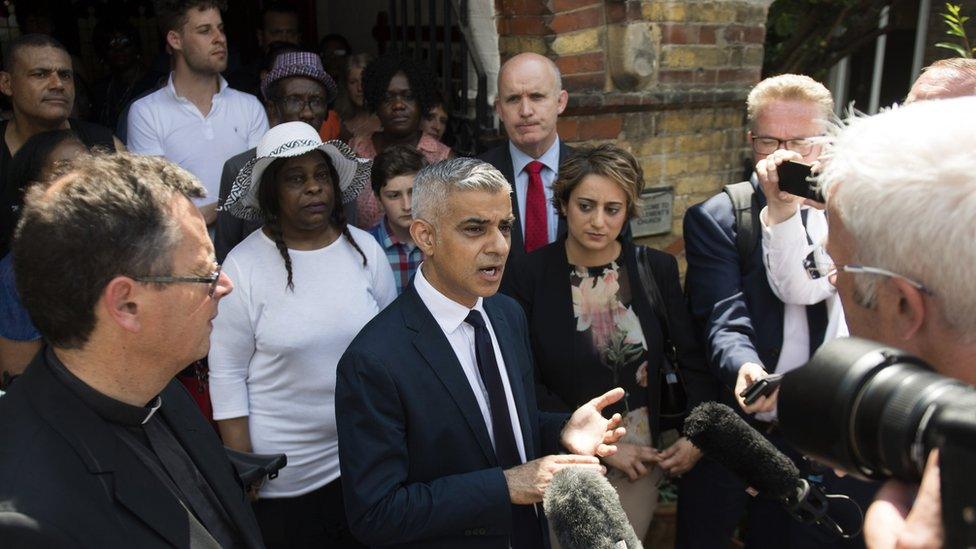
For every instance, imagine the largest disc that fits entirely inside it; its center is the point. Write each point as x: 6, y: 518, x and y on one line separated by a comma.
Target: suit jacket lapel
x: 508, y: 170
x: 432, y: 344
x: 196, y: 438
x: 133, y: 485
x: 507, y: 339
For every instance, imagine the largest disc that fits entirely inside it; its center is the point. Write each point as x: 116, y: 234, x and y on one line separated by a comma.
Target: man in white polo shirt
x: 196, y: 121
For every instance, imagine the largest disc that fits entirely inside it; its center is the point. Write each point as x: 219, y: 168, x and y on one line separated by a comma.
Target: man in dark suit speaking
x: 530, y: 99
x: 101, y: 448
x: 439, y: 434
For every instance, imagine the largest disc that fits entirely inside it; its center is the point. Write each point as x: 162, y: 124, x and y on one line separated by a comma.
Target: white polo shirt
x: 166, y: 124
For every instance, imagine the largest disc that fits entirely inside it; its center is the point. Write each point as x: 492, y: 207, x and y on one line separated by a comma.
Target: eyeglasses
x: 296, y: 103
x: 819, y: 265
x: 213, y: 279
x: 768, y: 145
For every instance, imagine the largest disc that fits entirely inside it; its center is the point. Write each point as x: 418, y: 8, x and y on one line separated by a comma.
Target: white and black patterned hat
x: 285, y: 141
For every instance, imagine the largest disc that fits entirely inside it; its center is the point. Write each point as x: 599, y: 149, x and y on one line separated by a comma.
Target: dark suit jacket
x: 501, y: 159
x: 541, y: 285
x: 418, y: 468
x: 66, y: 478
x: 741, y: 317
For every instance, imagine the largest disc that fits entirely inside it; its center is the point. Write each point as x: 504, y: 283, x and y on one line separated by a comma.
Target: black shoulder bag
x: 674, y: 397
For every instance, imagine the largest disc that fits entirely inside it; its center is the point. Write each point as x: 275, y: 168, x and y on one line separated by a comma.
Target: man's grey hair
x: 435, y: 183
x: 904, y: 184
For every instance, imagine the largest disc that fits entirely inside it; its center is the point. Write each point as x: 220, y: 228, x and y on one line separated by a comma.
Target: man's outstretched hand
x: 588, y: 433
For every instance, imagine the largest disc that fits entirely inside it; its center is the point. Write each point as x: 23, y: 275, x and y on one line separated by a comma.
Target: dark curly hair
x: 377, y: 76
x: 271, y: 209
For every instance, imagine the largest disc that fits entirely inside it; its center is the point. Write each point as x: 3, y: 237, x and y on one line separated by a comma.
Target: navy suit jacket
x: 741, y: 316
x: 418, y: 468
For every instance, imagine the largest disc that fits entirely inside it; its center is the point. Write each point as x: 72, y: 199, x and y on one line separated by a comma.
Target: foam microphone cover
x: 585, y: 513
x: 725, y: 437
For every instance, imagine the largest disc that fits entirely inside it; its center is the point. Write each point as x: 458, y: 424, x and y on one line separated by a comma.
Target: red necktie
x: 536, y: 220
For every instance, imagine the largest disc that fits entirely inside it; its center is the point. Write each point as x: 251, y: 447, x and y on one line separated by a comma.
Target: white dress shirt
x: 166, y: 124
x: 450, y: 316
x: 549, y: 159
x: 785, y: 246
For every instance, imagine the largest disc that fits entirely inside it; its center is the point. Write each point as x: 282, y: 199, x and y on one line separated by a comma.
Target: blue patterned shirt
x: 404, y: 258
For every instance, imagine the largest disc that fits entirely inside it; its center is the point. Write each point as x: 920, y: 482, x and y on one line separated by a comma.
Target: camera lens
x: 865, y: 408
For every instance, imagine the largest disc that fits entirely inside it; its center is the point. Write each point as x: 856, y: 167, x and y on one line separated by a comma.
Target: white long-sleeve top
x: 274, y: 352
x: 785, y: 246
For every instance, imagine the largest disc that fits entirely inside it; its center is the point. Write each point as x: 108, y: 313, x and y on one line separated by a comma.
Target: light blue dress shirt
x: 550, y: 159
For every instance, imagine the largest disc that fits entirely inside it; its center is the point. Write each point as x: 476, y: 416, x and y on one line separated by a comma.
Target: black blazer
x: 418, y: 468
x: 501, y: 158
x: 66, y: 478
x: 541, y: 285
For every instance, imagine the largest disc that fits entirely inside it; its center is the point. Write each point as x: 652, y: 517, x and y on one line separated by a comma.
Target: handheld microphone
x: 725, y: 437
x: 584, y: 511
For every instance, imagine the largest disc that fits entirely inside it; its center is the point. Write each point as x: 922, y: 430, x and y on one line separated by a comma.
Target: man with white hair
x: 901, y: 190
x: 440, y: 439
x: 944, y: 79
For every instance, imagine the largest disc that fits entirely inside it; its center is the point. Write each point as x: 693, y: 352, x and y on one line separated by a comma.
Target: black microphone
x: 725, y: 437
x: 585, y: 513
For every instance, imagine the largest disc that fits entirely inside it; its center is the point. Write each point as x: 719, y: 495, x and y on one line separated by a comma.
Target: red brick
x: 579, y: 82
x: 607, y: 126
x: 619, y: 12
x: 521, y: 7
x: 584, y: 62
x: 696, y: 76
x: 566, y: 5
x: 745, y: 34
x: 679, y: 34
x: 577, y: 20
x: 534, y: 25
x: 567, y: 128
x: 706, y: 35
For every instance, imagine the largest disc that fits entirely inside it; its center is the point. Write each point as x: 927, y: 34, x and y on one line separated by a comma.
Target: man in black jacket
x: 530, y: 99
x: 101, y: 447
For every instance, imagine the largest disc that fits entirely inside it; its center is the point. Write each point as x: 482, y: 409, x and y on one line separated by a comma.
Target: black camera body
x: 876, y: 412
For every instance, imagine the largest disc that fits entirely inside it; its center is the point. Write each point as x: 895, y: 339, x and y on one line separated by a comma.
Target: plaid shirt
x: 404, y: 258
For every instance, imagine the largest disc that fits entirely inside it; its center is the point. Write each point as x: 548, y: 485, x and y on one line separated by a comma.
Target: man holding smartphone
x: 758, y: 321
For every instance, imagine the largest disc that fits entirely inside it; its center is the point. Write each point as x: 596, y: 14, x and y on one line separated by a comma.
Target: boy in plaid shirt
x: 392, y: 179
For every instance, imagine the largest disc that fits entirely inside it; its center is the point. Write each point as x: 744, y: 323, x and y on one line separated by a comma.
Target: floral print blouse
x: 608, y: 329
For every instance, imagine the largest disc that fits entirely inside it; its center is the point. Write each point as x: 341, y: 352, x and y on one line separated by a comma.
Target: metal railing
x: 441, y: 36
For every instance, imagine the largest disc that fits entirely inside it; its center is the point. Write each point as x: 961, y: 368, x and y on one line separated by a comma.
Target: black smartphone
x: 793, y: 179
x: 761, y: 388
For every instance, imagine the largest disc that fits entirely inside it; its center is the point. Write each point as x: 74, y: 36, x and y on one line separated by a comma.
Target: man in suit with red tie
x: 529, y: 101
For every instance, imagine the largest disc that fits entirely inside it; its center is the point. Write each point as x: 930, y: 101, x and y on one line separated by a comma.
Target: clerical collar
x: 107, y: 407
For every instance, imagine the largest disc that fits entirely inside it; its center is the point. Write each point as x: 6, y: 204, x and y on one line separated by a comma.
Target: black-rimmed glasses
x: 819, y: 265
x: 763, y: 144
x: 213, y: 279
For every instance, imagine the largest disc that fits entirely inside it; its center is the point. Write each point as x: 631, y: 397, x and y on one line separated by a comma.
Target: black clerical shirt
x: 152, y: 440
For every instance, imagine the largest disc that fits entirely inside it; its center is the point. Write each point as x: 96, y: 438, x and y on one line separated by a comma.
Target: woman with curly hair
x: 306, y: 283
x: 400, y: 91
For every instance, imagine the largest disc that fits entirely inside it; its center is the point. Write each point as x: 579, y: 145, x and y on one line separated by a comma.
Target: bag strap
x: 745, y: 204
x: 656, y: 301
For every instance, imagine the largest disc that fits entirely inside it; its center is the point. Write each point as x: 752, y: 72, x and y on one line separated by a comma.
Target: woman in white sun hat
x: 306, y: 283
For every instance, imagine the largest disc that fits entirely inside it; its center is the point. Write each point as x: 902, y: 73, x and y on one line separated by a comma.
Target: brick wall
x: 666, y: 80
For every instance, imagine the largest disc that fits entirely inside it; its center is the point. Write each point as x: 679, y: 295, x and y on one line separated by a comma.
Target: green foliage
x: 955, y: 26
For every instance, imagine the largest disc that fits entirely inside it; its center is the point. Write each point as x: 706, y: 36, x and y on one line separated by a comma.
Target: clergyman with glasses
x: 297, y: 89
x: 760, y: 312
x: 101, y: 447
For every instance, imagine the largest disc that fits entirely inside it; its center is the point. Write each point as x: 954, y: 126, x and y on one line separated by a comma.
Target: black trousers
x: 711, y: 502
x: 313, y: 520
